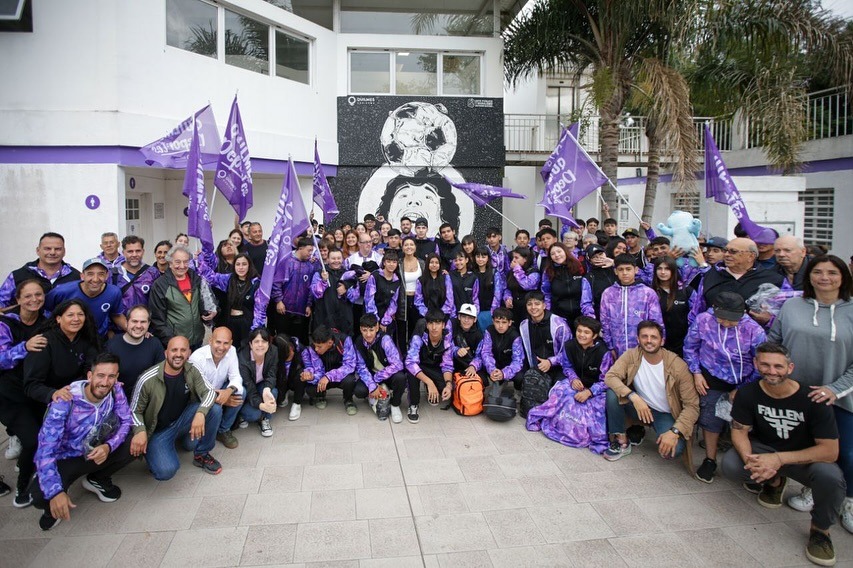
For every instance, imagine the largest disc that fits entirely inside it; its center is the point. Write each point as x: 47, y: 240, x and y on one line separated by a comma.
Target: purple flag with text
x: 172, y: 150
x: 481, y: 194
x: 545, y: 172
x: 322, y: 193
x: 720, y: 186
x: 234, y: 168
x: 198, y: 224
x: 291, y: 220
x: 572, y: 176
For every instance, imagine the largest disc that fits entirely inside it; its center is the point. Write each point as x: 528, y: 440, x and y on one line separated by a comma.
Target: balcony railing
x: 829, y: 115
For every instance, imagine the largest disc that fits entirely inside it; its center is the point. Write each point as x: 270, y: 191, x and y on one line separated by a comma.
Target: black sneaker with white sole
x: 207, y: 463
x: 22, y: 499
x: 46, y: 522
x: 103, y: 488
x: 706, y: 471
x: 636, y: 434
x: 412, y: 414
x: 4, y: 487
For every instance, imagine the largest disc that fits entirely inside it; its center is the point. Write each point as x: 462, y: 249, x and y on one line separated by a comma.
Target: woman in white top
x: 411, y: 269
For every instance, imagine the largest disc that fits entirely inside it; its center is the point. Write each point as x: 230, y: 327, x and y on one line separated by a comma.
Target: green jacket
x: 150, y: 392
x: 172, y: 314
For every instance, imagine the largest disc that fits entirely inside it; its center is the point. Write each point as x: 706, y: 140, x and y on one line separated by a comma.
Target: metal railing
x: 829, y: 115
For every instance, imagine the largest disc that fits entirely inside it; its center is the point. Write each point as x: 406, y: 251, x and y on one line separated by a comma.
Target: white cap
x: 468, y: 310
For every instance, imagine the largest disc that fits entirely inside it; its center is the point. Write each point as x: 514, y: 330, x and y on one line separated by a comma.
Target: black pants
x: 23, y: 418
x: 71, y: 469
x: 347, y: 385
x: 294, y: 325
x: 415, y: 384
x: 396, y: 382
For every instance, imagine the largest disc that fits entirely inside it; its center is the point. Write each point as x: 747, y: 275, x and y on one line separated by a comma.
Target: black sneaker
x: 46, y: 522
x: 103, y: 488
x: 819, y: 549
x: 752, y: 487
x: 208, y: 463
x: 636, y: 434
x: 4, y: 487
x: 22, y: 499
x: 412, y: 414
x: 706, y: 471
x: 771, y: 497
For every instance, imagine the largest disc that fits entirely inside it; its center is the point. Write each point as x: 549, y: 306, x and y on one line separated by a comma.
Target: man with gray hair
x: 791, y: 259
x: 109, y: 254
x: 180, y: 301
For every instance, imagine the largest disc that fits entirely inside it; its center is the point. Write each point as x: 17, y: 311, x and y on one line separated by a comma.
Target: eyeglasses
x: 734, y: 251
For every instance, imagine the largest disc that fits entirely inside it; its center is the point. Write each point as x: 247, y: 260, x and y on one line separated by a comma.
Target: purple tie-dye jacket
x: 7, y: 290
x: 314, y: 364
x: 395, y: 364
x: 370, y: 299
x: 137, y: 292
x: 485, y: 357
x: 500, y: 259
x: 413, y: 357
x: 293, y: 288
x: 726, y: 353
x: 72, y: 429
x: 622, y: 308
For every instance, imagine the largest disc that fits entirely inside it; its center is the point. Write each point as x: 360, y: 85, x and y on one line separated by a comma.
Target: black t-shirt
x: 177, y: 399
x: 134, y: 359
x: 785, y: 424
x: 258, y: 254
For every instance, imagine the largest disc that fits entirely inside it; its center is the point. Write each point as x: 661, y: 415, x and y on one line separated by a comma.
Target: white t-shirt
x: 650, y: 384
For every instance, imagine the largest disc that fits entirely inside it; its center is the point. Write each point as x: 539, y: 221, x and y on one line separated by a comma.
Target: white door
x: 139, y: 217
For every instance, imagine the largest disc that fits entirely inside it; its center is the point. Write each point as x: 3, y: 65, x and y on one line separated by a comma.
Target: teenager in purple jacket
x: 329, y: 363
x: 624, y: 305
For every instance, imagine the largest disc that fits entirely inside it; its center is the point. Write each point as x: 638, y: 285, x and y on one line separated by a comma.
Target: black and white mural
x: 395, y: 153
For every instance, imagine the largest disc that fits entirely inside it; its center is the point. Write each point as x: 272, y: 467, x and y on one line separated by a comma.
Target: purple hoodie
x: 726, y: 353
x: 11, y: 354
x: 72, y: 429
x: 622, y: 308
x: 413, y: 357
x: 485, y: 357
x: 449, y: 307
x: 395, y: 364
x: 560, y: 333
x: 7, y: 290
x: 135, y: 292
x: 314, y: 364
x: 292, y: 285
x: 370, y: 299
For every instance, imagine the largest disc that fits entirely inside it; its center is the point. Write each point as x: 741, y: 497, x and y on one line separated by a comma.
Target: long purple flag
x: 545, y: 172
x: 481, y: 193
x: 322, y: 193
x: 198, y: 224
x: 234, y: 168
x: 172, y: 150
x: 290, y: 220
x: 720, y: 186
x: 572, y: 176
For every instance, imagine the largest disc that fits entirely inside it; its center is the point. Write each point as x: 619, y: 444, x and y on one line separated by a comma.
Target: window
x: 318, y: 11
x: 818, y: 222
x: 247, y: 43
x: 291, y: 57
x: 358, y: 16
x: 192, y: 25
x: 686, y: 202
x: 415, y: 73
x: 131, y: 208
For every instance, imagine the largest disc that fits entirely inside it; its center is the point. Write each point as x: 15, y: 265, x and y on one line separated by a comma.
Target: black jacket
x: 254, y: 390
x: 57, y: 365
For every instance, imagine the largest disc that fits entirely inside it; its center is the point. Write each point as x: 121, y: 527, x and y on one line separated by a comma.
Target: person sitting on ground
x: 84, y: 436
x: 378, y: 363
x: 289, y: 374
x: 173, y: 401
x: 719, y: 350
x: 777, y: 433
x: 652, y: 385
x: 543, y: 335
x: 574, y: 412
x: 136, y: 349
x: 500, y: 356
x: 329, y: 363
x: 258, y: 364
x: 624, y: 305
x: 466, y: 337
x: 430, y: 361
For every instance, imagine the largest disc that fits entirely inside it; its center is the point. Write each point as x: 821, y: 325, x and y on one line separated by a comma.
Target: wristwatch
x: 676, y: 431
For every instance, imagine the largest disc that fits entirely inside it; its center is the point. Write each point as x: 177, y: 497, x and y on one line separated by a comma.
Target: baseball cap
x: 593, y: 250
x: 421, y: 221
x: 729, y: 306
x: 716, y: 242
x: 93, y: 261
x: 631, y: 232
x: 468, y: 310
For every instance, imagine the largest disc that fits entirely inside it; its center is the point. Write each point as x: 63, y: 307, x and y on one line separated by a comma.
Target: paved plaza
x: 335, y: 490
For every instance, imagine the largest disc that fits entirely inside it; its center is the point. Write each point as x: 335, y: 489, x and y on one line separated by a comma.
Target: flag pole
x: 504, y: 216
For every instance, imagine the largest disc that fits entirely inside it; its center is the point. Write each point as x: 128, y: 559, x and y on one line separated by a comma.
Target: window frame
x: 392, y: 71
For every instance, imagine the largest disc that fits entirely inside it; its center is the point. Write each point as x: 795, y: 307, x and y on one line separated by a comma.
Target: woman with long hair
x: 20, y: 334
x: 410, y: 268
x: 238, y: 309
x: 225, y: 255
x: 567, y: 293
x: 469, y: 245
x: 350, y: 244
x: 434, y: 290
x: 160, y: 254
x: 339, y: 238
x: 382, y: 293
x: 491, y: 286
x: 522, y: 278
x: 615, y: 247
x: 236, y: 238
x: 675, y: 302
x: 258, y: 362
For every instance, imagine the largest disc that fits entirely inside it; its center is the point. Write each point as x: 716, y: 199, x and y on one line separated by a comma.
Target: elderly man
x: 791, y: 260
x: 740, y: 275
x: 49, y: 268
x: 110, y: 255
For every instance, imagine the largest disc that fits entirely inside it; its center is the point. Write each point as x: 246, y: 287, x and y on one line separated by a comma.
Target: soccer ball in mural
x: 418, y: 135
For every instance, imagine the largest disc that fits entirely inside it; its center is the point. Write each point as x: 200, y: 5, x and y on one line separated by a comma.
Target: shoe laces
x: 847, y: 507
x: 820, y: 538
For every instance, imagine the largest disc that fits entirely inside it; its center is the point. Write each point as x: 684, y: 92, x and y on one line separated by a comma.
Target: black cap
x: 421, y: 221
x: 632, y: 232
x: 716, y: 242
x: 729, y: 306
x: 593, y: 250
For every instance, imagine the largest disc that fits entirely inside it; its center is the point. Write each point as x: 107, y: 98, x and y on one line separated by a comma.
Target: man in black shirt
x: 256, y: 246
x: 135, y: 351
x: 778, y: 432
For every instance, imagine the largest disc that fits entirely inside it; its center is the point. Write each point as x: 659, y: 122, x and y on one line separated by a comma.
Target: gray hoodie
x: 820, y: 339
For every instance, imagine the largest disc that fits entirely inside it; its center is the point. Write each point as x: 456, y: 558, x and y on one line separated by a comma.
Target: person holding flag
x: 234, y: 168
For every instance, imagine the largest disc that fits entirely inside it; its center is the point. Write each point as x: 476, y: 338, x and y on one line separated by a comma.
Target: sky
x: 843, y: 8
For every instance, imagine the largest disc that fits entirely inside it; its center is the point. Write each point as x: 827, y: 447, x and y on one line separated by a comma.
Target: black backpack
x: 499, y: 403
x: 535, y: 387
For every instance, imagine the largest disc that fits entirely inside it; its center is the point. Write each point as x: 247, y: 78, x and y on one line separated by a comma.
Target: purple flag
x: 573, y: 175
x: 322, y: 192
x: 234, y: 169
x: 545, y: 172
x: 290, y: 220
x: 198, y: 224
x: 172, y: 150
x: 481, y: 193
x: 720, y: 186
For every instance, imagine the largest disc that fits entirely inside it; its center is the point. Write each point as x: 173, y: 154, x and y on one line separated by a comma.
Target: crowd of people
x: 598, y: 336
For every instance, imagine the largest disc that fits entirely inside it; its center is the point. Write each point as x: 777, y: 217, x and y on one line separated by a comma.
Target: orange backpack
x: 468, y: 395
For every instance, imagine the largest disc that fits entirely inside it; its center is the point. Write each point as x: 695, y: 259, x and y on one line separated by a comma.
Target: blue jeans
x: 251, y: 414
x: 844, y: 420
x: 161, y: 454
x: 229, y: 416
x: 661, y: 421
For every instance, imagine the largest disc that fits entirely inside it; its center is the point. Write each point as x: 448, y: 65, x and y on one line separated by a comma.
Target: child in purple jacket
x: 624, y: 305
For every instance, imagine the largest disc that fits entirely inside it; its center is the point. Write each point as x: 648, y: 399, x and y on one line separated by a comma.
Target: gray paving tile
x: 472, y: 559
x: 393, y: 537
x: 513, y: 527
x: 567, y: 523
x: 286, y: 454
x: 540, y: 556
x: 626, y: 517
x: 22, y: 552
x: 100, y: 518
x: 206, y: 547
x: 374, y: 451
x: 515, y: 466
x: 282, y: 479
x: 397, y: 562
x: 653, y: 550
x: 331, y: 477
x: 142, y: 550
x: 545, y: 491
x: 161, y: 515
x: 437, y: 499
x: 776, y: 544
x: 592, y: 554
x: 277, y: 508
x: 219, y: 512
x: 333, y: 453
x: 382, y: 474
x: 234, y: 481
x: 269, y: 544
x: 426, y: 472
x: 421, y: 449
x: 382, y: 502
x: 453, y: 533
x: 79, y: 551
x: 479, y: 468
x: 491, y: 495
x: 333, y: 505
x: 338, y: 540
x: 713, y: 547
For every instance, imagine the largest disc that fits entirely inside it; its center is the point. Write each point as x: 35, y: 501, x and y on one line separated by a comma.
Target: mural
x: 395, y: 153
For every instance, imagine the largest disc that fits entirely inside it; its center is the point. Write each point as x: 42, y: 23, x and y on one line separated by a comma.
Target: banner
x: 481, y: 193
x: 234, y: 168
x: 322, y: 193
x: 172, y: 150
x: 198, y: 224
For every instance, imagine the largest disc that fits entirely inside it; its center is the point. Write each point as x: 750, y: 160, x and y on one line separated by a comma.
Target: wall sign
x: 93, y: 202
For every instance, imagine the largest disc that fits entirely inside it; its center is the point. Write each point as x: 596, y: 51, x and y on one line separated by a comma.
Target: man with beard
x: 49, y: 268
x: 104, y: 300
x: 133, y: 276
x: 84, y: 436
x: 136, y: 349
x: 334, y: 292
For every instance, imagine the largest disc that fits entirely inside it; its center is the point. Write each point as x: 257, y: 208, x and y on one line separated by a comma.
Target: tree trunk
x: 653, y: 170
x: 609, y: 135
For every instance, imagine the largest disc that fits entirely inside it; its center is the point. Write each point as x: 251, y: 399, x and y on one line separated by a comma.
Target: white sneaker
x: 847, y: 514
x: 242, y: 424
x: 295, y: 412
x: 372, y: 402
x: 266, y: 427
x: 14, y: 449
x: 396, y: 415
x: 803, y: 502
